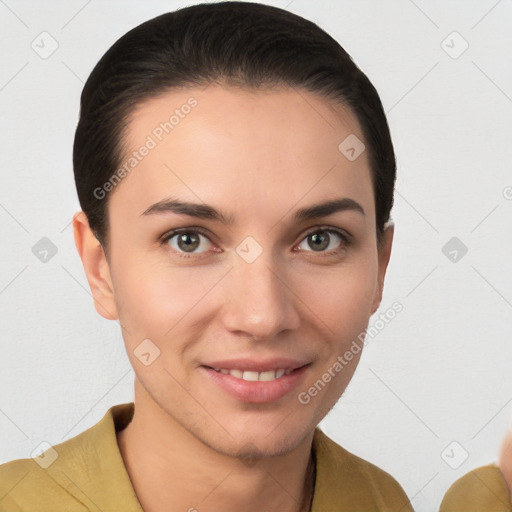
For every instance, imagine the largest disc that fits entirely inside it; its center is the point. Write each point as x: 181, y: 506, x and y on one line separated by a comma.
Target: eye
x: 186, y: 240
x: 190, y: 241
x: 325, y: 239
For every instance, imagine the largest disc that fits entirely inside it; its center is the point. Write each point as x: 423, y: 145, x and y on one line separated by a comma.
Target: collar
x: 343, y: 480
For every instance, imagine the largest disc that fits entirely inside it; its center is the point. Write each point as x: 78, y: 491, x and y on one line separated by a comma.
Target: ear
x: 383, y: 254
x: 96, y: 267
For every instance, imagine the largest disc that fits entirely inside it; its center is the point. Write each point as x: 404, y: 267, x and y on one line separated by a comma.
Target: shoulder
x: 343, y: 477
x: 480, y: 490
x: 25, y: 486
x: 72, y: 476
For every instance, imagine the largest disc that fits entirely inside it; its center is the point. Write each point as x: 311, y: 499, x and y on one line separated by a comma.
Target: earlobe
x: 96, y: 267
x: 384, y: 255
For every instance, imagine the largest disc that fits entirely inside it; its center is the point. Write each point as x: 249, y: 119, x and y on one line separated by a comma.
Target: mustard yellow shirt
x: 481, y: 490
x: 89, y: 475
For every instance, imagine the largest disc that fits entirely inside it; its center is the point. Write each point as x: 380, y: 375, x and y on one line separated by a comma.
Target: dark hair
x: 237, y: 43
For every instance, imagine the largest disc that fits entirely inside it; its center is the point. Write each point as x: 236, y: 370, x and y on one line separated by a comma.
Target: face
x: 218, y: 257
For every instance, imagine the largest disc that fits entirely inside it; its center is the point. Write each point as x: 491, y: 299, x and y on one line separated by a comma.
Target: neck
x: 171, y: 469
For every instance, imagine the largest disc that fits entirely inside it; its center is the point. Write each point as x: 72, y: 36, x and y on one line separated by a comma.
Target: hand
x: 505, y: 458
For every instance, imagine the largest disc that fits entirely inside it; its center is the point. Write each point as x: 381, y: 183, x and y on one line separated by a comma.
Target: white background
x: 438, y: 373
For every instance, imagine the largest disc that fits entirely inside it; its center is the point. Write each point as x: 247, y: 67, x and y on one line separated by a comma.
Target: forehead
x: 233, y: 145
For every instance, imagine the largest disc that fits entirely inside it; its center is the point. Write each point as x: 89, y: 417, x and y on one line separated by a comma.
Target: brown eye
x: 187, y: 241
x: 324, y: 240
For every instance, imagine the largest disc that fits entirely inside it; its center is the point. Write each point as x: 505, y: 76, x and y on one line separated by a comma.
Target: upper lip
x: 257, y: 365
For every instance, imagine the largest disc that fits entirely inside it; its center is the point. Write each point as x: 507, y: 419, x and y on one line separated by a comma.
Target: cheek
x: 342, y: 299
x: 155, y: 298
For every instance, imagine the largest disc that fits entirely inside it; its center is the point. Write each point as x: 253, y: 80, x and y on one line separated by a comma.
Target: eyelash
x: 345, y: 237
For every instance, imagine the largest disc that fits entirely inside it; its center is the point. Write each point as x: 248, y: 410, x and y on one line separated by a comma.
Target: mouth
x: 257, y: 385
x: 253, y: 376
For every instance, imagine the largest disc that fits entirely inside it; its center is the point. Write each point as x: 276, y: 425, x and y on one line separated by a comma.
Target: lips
x: 250, y: 380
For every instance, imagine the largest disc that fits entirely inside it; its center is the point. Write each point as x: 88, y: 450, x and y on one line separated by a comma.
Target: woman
x: 236, y: 173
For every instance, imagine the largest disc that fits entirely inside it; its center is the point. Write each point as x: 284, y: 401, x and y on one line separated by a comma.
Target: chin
x: 262, y: 441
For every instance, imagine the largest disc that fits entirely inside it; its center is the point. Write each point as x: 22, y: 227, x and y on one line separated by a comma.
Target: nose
x: 259, y: 303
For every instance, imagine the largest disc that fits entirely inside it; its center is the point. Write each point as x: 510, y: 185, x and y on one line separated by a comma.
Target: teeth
x: 255, y: 376
x: 266, y: 376
x: 252, y: 376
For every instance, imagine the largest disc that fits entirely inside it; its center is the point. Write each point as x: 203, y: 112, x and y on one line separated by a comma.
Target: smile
x: 253, y: 376
x: 256, y: 385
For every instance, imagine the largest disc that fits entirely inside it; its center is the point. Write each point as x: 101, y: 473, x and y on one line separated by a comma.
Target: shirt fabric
x: 481, y: 490
x: 89, y: 475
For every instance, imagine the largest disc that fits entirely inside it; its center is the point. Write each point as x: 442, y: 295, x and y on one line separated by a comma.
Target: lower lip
x: 258, y: 392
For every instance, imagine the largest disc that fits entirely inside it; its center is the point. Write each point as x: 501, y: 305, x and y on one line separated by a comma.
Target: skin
x: 505, y: 458
x: 257, y: 156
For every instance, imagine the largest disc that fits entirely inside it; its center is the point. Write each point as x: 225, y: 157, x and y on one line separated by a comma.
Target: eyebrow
x: 205, y: 211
